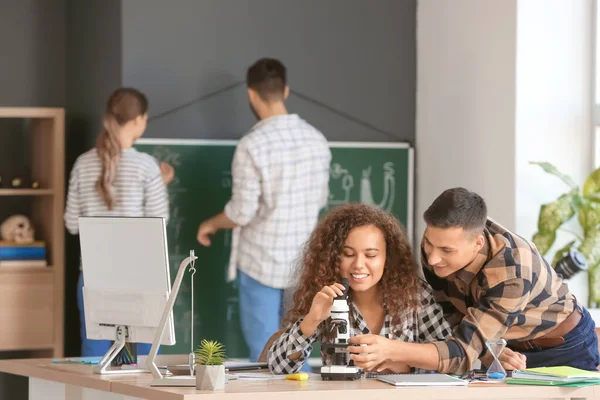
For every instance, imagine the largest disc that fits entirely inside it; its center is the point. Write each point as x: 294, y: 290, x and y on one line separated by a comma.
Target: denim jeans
x: 580, y: 349
x: 97, y: 348
x: 261, y: 312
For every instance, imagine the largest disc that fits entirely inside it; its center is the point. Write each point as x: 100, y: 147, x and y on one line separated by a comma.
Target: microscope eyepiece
x: 346, y: 284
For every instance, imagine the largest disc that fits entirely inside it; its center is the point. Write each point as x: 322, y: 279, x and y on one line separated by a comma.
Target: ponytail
x: 109, y: 152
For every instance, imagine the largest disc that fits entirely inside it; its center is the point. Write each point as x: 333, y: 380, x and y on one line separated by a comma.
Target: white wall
x: 465, y: 102
x: 501, y: 83
x: 553, y: 108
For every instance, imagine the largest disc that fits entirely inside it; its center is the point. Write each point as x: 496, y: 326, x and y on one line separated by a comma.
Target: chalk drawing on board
x: 389, y: 187
x: 226, y: 182
x: 164, y: 154
x: 339, y: 173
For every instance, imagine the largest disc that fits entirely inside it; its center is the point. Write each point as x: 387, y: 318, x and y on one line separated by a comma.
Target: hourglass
x: 495, y: 370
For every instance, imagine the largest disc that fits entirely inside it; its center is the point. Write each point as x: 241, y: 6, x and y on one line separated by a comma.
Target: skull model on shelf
x: 18, y: 229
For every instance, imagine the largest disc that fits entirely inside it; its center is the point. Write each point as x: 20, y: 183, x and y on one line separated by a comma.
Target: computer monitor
x: 126, y: 282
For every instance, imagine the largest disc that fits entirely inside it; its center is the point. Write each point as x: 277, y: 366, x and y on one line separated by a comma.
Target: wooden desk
x: 76, y: 382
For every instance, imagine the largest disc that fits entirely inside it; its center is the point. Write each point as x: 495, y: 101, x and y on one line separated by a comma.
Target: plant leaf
x: 551, y: 169
x: 209, y: 353
x: 588, y: 214
x: 595, y: 197
x: 594, y: 286
x: 560, y: 252
x: 592, y: 183
x: 590, y: 248
x: 544, y: 240
x: 552, y: 216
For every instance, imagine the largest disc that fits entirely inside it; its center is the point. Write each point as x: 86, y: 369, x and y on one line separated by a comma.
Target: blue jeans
x: 261, y: 312
x: 580, y: 349
x: 97, y: 348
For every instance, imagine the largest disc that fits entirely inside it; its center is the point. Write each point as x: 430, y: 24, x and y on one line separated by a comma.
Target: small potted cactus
x: 210, y: 369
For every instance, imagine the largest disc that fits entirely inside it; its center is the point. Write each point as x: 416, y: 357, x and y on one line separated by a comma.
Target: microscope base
x: 340, y: 373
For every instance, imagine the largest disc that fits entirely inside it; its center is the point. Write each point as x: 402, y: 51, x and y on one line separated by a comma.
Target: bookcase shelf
x: 32, y: 297
x: 26, y: 192
x: 26, y: 270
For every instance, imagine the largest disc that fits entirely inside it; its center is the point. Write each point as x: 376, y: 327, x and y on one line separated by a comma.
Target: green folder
x: 554, y: 376
x: 538, y: 382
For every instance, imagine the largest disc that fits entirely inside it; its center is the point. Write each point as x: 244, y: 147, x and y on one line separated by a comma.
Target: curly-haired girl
x: 387, y: 297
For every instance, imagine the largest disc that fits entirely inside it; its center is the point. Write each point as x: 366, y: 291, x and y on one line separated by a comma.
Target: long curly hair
x: 321, y: 257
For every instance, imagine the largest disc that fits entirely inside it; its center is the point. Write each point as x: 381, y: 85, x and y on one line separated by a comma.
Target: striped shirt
x: 138, y: 189
x: 280, y: 176
x: 509, y: 291
x: 423, y: 324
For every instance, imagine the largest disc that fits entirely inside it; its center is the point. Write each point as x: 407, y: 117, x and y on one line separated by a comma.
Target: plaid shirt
x: 509, y: 291
x: 280, y: 174
x: 421, y: 325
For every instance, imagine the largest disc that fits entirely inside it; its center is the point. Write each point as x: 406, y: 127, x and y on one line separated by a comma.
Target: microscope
x: 341, y: 368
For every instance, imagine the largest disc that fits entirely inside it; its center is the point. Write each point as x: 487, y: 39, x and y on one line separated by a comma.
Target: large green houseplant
x: 585, y: 202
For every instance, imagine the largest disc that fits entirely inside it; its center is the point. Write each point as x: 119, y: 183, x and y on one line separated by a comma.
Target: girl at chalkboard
x: 386, y: 296
x: 114, y: 179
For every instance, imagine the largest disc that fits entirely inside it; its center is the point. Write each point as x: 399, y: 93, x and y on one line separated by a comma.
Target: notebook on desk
x: 230, y: 365
x: 421, y: 380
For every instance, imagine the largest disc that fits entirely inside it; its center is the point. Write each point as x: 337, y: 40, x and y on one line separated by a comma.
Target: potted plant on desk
x: 210, y: 369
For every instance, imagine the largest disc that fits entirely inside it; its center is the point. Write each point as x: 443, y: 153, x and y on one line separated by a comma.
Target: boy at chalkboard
x: 280, y: 176
x: 114, y: 179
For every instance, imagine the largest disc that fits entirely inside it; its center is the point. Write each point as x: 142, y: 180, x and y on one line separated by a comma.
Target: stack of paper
x: 555, y: 376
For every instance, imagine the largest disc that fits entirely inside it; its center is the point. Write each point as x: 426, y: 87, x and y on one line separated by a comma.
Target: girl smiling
x: 387, y: 298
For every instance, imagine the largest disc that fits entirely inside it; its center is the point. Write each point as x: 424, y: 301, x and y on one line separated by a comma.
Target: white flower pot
x: 210, y: 377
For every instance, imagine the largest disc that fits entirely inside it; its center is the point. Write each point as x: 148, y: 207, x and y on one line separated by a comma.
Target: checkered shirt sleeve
x: 431, y: 324
x: 290, y: 342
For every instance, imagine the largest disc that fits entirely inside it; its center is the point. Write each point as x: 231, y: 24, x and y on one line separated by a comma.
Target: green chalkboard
x: 374, y: 173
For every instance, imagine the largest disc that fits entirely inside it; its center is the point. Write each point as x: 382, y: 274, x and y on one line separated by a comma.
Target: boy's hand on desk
x: 374, y: 355
x: 204, y: 231
x: 510, y: 360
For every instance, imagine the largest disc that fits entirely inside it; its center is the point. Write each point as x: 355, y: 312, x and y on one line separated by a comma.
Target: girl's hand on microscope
x: 373, y: 351
x: 320, y: 308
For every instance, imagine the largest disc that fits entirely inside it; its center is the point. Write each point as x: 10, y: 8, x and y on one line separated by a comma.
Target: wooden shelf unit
x: 26, y: 192
x: 32, y: 298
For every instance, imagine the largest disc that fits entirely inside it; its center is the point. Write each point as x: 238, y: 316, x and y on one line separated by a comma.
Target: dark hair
x: 267, y: 77
x: 123, y: 105
x: 457, y: 208
x: 321, y: 258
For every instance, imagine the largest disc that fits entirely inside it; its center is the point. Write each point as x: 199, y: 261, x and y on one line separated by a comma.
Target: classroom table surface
x: 138, y: 386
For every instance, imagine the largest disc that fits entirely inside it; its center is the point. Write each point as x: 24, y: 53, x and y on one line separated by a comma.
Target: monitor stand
x: 104, y: 366
x: 159, y: 378
x: 173, y: 380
